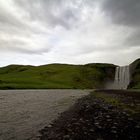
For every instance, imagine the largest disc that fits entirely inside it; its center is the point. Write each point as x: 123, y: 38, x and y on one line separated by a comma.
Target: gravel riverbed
x: 24, y: 112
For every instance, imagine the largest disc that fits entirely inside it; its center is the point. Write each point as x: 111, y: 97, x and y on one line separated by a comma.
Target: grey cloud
x: 19, y: 46
x: 125, y: 12
x: 7, y: 18
x: 65, y: 13
x: 52, y: 12
x: 85, y: 31
x: 28, y: 51
x: 8, y: 29
x: 12, y: 25
x: 133, y: 39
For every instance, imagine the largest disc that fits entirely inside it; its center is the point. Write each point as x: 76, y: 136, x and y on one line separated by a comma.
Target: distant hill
x: 135, y: 74
x: 56, y: 76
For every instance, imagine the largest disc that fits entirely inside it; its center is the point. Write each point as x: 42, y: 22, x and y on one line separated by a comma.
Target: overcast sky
x: 39, y: 32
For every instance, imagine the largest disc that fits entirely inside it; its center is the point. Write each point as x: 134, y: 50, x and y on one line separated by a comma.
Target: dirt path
x: 24, y: 112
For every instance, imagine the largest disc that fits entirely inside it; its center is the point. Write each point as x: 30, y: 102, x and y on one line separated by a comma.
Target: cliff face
x: 135, y: 75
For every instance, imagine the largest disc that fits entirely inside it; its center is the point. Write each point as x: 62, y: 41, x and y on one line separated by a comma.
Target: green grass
x: 56, y: 76
x: 63, y: 76
x: 135, y: 78
x: 117, y: 101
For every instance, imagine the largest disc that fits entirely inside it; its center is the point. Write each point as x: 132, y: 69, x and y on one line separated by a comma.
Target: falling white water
x: 122, y: 77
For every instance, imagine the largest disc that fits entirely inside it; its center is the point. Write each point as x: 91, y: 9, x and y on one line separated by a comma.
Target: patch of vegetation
x: 56, y: 76
x: 118, y: 101
x: 135, y: 75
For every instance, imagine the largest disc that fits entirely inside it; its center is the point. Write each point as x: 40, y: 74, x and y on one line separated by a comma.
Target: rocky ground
x: 102, y: 115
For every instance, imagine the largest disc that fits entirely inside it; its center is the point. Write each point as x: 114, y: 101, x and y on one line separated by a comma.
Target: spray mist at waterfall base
x: 110, y: 85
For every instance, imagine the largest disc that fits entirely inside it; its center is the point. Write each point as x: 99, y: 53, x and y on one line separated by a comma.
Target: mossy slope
x: 62, y: 76
x: 135, y: 74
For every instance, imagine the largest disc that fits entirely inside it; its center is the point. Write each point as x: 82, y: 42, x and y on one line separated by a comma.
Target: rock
x: 66, y: 137
x: 49, y: 126
x: 74, y: 119
x: 130, y: 119
x: 85, y: 133
x: 78, y: 124
x: 113, y: 127
x: 69, y: 129
x: 107, y: 116
x: 99, y: 126
x: 97, y: 123
x: 109, y: 120
x: 81, y: 119
x: 91, y: 130
x: 114, y: 131
x: 137, y: 126
x: 69, y: 125
x: 115, y: 123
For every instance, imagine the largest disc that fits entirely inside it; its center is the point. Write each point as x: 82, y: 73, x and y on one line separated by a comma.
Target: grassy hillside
x: 56, y: 76
x: 135, y: 75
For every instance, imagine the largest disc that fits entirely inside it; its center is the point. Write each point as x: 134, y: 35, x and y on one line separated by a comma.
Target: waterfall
x: 122, y: 77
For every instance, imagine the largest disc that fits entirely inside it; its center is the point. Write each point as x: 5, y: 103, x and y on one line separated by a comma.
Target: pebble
x: 107, y: 116
x: 113, y: 131
x: 137, y: 126
x: 66, y: 137
x: 115, y: 123
x: 97, y: 123
x: 85, y: 133
x: 114, y: 127
x: 109, y: 120
x: 130, y: 119
x: 49, y: 125
x: 81, y: 119
x: 91, y: 130
x: 98, y: 126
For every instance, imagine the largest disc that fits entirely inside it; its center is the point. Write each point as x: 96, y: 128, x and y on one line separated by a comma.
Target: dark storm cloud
x: 125, y: 12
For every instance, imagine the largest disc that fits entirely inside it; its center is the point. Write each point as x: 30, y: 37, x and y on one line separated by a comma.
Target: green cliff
x: 56, y: 76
